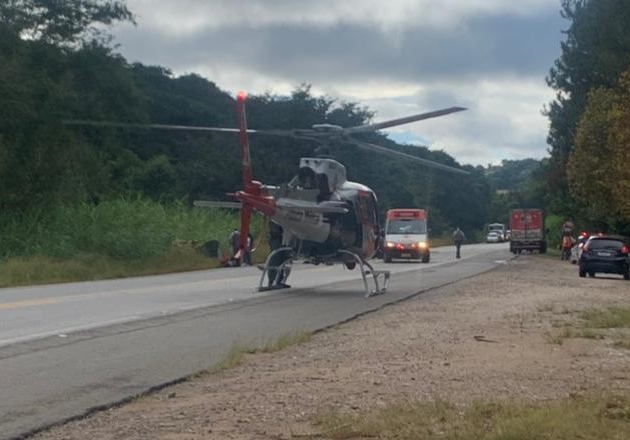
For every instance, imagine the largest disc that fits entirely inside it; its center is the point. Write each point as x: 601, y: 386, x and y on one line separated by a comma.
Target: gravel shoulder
x: 491, y: 337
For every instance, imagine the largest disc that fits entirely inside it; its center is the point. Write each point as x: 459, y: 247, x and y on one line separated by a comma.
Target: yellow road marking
x: 128, y: 291
x: 193, y: 285
x: 28, y: 303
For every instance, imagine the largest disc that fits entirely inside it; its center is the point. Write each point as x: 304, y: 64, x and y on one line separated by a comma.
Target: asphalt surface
x: 67, y: 349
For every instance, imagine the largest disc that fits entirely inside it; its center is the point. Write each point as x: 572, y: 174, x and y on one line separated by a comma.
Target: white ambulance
x: 406, y: 235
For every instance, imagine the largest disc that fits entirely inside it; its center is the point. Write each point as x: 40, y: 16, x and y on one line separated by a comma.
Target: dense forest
x: 588, y: 174
x: 57, y: 63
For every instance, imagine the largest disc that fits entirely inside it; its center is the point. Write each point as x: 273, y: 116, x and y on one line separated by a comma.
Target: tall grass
x: 113, y: 239
x: 612, y: 323
x: 590, y: 418
x: 124, y: 229
x: 614, y: 317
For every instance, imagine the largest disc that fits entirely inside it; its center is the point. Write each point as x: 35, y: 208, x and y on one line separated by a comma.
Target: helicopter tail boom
x: 244, y: 140
x: 248, y: 183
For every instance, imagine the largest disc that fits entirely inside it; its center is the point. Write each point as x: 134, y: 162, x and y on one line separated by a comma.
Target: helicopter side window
x: 367, y: 209
x: 307, y: 178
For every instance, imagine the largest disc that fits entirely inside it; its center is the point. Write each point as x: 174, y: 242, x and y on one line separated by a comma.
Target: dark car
x: 605, y: 254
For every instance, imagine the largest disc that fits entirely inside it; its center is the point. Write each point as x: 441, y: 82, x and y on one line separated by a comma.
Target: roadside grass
x: 611, y: 323
x: 606, y: 417
x: 40, y: 269
x: 614, y: 317
x: 234, y: 357
x: 239, y: 350
x: 553, y: 253
x: 283, y: 342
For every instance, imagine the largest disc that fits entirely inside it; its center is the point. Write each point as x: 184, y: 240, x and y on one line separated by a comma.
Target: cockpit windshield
x: 406, y: 226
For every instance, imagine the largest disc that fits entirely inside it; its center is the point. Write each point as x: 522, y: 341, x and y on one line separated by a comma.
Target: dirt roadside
x: 492, y: 337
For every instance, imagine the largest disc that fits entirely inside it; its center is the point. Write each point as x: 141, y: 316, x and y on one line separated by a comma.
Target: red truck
x: 527, y: 230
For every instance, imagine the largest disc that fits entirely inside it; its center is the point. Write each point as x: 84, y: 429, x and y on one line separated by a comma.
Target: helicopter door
x: 368, y: 219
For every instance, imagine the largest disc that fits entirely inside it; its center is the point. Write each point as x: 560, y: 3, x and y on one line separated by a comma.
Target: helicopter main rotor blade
x: 323, y: 132
x: 304, y: 134
x: 327, y: 131
x: 401, y: 121
x: 399, y: 154
x: 151, y: 126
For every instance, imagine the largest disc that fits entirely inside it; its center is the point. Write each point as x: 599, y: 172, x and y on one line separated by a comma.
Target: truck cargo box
x: 527, y: 230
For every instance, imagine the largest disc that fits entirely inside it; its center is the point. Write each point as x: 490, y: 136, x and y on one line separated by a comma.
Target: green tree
x: 598, y: 166
x: 62, y: 22
x: 511, y: 174
x: 621, y: 156
x: 590, y: 169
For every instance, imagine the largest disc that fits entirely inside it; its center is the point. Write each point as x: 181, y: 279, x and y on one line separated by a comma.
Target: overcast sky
x: 396, y: 57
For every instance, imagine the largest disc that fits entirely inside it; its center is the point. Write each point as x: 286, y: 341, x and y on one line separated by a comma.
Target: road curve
x: 66, y: 349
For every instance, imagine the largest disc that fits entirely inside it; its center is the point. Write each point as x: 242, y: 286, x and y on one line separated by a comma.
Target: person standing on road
x: 458, y: 239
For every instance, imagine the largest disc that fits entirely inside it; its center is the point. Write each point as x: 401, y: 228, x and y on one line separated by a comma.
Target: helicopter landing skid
x: 380, y: 277
x: 278, y: 267
x: 276, y: 270
x: 272, y: 287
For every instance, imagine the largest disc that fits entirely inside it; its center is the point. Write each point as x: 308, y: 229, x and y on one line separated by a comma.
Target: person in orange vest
x: 567, y: 244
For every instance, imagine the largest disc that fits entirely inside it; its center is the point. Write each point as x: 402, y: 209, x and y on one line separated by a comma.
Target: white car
x: 576, y: 251
x: 494, y: 237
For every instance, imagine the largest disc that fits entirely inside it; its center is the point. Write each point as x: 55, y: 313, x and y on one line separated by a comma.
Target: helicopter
x: 319, y: 216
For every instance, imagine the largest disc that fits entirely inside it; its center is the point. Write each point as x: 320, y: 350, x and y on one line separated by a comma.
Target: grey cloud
x: 481, y: 46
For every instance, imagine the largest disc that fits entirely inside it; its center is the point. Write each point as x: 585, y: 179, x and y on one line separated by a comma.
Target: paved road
x: 67, y: 348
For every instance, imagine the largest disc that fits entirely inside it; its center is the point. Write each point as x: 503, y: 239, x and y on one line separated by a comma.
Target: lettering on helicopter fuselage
x: 307, y: 217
